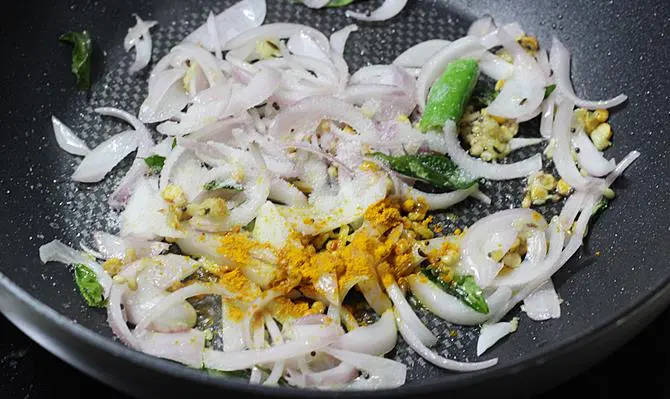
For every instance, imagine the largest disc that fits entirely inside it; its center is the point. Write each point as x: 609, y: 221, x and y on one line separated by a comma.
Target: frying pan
x: 617, y: 46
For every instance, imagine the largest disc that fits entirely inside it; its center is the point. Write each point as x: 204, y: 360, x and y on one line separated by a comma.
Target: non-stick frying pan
x: 618, y: 46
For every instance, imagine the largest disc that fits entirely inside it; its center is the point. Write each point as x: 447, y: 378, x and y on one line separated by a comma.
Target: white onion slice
x: 278, y: 31
x: 543, y: 303
x: 524, y: 92
x: 230, y: 361
x: 521, y: 142
x: 376, y: 339
x: 144, y: 140
x: 452, y: 309
x: 260, y: 88
x: 494, y: 232
x: 314, y: 109
x: 185, y: 347
x: 380, y: 373
x: 444, y: 200
x: 115, y: 318
x: 144, y: 215
x: 495, y: 67
x: 286, y: 193
x: 388, y: 10
x: 406, y: 313
x: 478, y: 168
x: 449, y: 364
x: 139, y: 37
x: 492, y: 333
x: 419, y: 54
x: 234, y: 20
x: 168, y: 165
x: 565, y: 164
x: 482, y: 26
x: 560, y: 63
x: 111, y: 246
x: 315, y: 3
x: 547, y: 120
x: 179, y: 296
x: 589, y: 157
x: 166, y: 96
x: 95, y: 166
x: 56, y: 251
x: 338, y: 39
x: 464, y: 47
x: 67, y: 140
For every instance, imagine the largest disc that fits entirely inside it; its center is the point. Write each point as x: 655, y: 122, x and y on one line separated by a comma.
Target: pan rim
x: 657, y: 298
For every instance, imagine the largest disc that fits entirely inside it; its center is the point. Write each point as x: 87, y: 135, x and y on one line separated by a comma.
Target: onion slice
x: 449, y: 364
x: 388, y: 10
x: 560, y: 63
x: 492, y: 333
x: 67, y: 140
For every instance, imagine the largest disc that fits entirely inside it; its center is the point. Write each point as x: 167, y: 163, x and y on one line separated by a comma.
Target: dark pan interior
x: 617, y: 46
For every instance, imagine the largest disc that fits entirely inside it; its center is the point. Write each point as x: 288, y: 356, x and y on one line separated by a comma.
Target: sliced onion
x: 314, y: 109
x: 375, y: 339
x: 589, y: 157
x: 452, y: 309
x: 115, y: 317
x: 547, y: 120
x: 464, y: 47
x: 482, y: 26
x: 144, y: 140
x: 185, y: 347
x: 260, y: 88
x: 565, y: 164
x: 521, y: 142
x: 140, y: 38
x: 170, y: 163
x: 524, y: 92
x: 492, y: 333
x: 543, y: 303
x: 415, y: 343
x: 105, y: 157
x: 144, y: 215
x: 67, y: 140
x: 234, y: 20
x: 230, y: 361
x: 111, y: 246
x: 560, y: 63
x: 338, y: 39
x: 621, y: 167
x: 210, y: 65
x: 388, y: 10
x: 495, y: 67
x: 179, y: 296
x: 444, y: 200
x: 277, y: 31
x: 478, y: 168
x: 380, y: 373
x: 286, y: 193
x: 419, y: 54
x: 315, y: 3
x: 56, y: 251
x: 405, y: 312
x: 166, y: 96
x: 494, y: 232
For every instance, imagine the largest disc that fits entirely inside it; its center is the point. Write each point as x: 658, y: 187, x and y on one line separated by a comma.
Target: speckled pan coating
x: 39, y: 202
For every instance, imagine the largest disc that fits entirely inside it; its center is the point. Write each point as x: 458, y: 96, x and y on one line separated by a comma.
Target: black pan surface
x: 617, y: 46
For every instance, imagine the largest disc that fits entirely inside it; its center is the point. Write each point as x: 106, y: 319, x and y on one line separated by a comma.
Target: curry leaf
x: 437, y: 170
x: 464, y: 288
x: 548, y: 90
x: 89, y: 286
x: 81, y: 57
x: 155, y: 163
